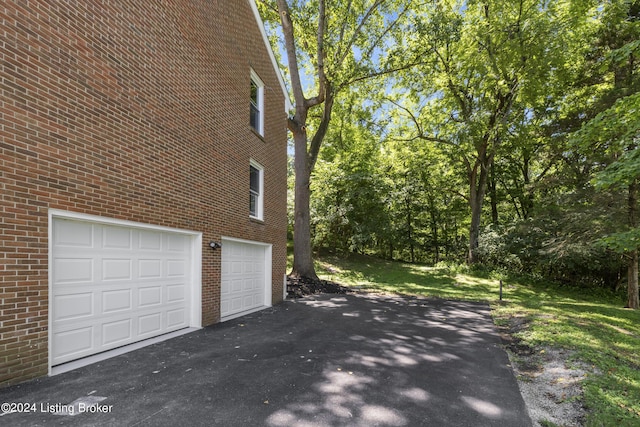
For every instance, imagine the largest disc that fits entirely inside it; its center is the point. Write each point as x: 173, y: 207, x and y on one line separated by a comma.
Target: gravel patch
x: 551, y: 386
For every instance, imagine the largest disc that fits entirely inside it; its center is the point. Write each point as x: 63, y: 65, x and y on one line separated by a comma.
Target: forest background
x: 501, y: 133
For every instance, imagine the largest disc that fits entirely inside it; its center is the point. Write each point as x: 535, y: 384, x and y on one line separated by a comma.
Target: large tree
x: 617, y: 131
x: 330, y: 45
x: 489, y: 62
x: 610, y: 136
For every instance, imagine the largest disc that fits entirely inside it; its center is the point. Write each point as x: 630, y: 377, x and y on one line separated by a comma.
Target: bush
x: 539, y: 249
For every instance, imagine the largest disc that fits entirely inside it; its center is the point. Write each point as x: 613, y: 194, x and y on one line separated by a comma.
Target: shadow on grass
x: 374, y: 275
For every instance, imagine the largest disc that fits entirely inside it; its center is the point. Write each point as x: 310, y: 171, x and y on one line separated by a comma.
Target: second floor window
x: 256, y: 180
x: 256, y: 104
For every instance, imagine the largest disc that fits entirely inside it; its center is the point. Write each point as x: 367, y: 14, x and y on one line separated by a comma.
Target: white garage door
x: 246, y: 274
x: 114, y: 285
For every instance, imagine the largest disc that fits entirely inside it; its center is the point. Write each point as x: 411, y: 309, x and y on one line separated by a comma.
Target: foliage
x: 488, y: 69
x: 508, y: 131
x: 334, y: 44
x: 614, y: 132
x: 549, y: 249
x: 395, y: 199
x: 348, y: 207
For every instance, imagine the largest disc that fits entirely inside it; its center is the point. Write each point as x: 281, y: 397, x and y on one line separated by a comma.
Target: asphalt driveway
x: 327, y: 360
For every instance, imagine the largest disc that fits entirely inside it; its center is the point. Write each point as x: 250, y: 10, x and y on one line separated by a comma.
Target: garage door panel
x: 118, y: 332
x: 73, y: 306
x: 176, y: 318
x: 116, y: 238
x: 68, y: 234
x: 149, y: 268
x: 68, y: 345
x: 116, y: 269
x: 249, y: 284
x: 149, y: 324
x: 148, y: 296
x: 249, y: 300
x: 177, y: 243
x: 176, y: 268
x: 70, y: 270
x: 176, y: 293
x: 235, y: 304
x: 149, y: 240
x: 117, y: 300
x: 236, y: 267
x: 123, y: 284
x: 225, y: 287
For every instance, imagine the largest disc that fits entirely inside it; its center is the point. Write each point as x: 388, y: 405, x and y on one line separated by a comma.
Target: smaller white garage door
x: 115, y: 285
x: 246, y: 277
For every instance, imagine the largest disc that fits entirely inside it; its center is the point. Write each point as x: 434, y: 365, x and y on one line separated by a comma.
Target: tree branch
x: 318, y: 137
x: 322, y: 27
x: 378, y: 73
x: 290, y: 45
x: 347, y: 47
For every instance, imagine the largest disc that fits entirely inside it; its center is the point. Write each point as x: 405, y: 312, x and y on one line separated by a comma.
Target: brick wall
x: 134, y: 110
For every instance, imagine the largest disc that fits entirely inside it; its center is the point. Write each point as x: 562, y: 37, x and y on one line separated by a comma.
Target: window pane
x: 255, y: 117
x: 256, y: 192
x: 254, y: 179
x: 253, y: 203
x: 254, y: 93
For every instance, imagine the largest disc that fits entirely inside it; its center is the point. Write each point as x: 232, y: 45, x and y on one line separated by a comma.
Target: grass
x: 595, y: 327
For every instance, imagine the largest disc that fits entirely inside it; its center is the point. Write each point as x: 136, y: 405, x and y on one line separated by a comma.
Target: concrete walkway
x: 327, y: 360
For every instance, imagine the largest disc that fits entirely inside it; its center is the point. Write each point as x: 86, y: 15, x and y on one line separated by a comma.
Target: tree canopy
x: 497, y: 132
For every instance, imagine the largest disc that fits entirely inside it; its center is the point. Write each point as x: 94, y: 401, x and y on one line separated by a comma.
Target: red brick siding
x: 135, y: 110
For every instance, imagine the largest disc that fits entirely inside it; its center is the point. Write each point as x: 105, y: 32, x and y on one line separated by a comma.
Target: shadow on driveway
x: 326, y: 360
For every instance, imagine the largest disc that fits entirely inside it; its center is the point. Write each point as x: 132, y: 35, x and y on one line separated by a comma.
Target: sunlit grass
x: 602, y: 334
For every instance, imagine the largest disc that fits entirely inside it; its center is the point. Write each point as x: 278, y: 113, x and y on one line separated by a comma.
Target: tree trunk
x: 493, y: 195
x: 407, y: 202
x: 474, y: 230
x: 477, y: 188
x: 433, y: 212
x: 302, y: 257
x: 632, y: 280
x: 632, y: 267
x: 528, y: 196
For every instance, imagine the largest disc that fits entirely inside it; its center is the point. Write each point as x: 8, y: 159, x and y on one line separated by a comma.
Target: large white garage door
x: 246, y: 274
x: 114, y: 285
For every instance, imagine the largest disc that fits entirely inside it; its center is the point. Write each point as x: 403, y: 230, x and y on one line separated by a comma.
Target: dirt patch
x: 301, y: 287
x: 549, y: 381
x: 553, y: 395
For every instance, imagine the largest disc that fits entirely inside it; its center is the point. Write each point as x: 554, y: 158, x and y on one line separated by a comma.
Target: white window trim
x: 258, y: 82
x: 260, y: 202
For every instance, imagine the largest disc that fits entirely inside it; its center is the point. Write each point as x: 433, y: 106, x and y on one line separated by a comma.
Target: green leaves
x: 622, y: 242
x: 616, y: 131
x: 621, y: 173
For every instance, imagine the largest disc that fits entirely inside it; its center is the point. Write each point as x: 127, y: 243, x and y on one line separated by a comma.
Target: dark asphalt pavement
x: 326, y: 360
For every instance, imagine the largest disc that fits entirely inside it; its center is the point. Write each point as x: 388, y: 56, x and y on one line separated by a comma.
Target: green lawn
x: 596, y: 327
